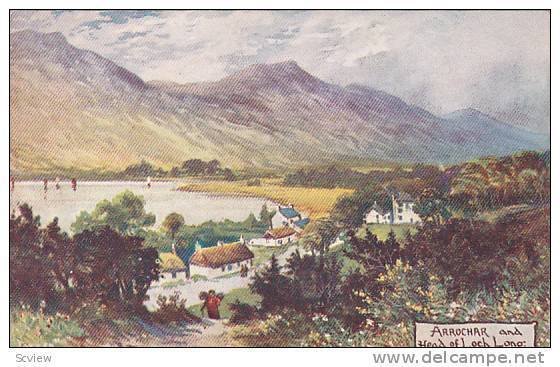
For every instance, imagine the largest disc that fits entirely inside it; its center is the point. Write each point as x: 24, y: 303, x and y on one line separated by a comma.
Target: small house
x: 222, y: 259
x: 377, y: 214
x: 171, y: 267
x: 300, y: 225
x: 289, y: 217
x: 285, y: 217
x: 403, y: 212
x: 277, y: 237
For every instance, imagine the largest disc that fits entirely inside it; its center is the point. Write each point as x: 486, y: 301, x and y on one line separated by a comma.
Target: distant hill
x: 74, y: 108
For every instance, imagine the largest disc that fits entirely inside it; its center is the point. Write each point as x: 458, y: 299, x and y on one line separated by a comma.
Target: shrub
x: 242, y: 312
x: 413, y: 294
x: 472, y: 253
x: 197, y: 278
x: 172, y: 309
x: 33, y: 329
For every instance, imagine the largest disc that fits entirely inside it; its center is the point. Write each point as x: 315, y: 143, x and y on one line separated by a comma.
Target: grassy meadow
x: 382, y: 230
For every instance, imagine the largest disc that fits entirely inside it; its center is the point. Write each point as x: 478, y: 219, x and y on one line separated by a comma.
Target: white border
x: 246, y: 357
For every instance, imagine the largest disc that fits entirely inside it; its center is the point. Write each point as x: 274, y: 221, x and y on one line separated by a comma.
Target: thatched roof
x: 279, y: 232
x: 171, y: 262
x: 217, y: 256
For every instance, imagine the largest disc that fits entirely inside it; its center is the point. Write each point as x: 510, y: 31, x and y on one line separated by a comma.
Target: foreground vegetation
x: 482, y: 253
x: 232, y: 297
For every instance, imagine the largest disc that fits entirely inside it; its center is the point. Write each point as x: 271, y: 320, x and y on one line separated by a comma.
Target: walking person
x: 12, y: 183
x: 211, y: 304
x: 74, y: 184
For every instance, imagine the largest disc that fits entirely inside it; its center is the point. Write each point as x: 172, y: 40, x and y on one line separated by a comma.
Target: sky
x: 494, y: 61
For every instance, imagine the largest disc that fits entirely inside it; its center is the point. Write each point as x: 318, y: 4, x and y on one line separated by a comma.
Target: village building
x: 300, y: 225
x: 377, y: 214
x: 171, y: 267
x: 222, y: 259
x: 289, y: 217
x: 276, y: 237
x: 401, y: 211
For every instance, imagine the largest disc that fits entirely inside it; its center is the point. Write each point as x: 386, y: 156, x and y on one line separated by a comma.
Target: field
x: 242, y: 294
x: 263, y: 253
x: 315, y: 202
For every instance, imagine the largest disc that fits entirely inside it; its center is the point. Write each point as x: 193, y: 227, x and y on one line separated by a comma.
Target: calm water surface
x: 161, y: 199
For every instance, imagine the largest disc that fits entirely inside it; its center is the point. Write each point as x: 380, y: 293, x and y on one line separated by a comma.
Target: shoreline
x: 315, y: 202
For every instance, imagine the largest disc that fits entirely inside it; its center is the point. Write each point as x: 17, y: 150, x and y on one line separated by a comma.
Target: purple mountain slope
x: 73, y: 107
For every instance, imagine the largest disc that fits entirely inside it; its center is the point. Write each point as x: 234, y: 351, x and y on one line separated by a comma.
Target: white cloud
x: 495, y: 61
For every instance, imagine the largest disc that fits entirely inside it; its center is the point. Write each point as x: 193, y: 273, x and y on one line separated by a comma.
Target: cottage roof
x: 289, y: 212
x: 302, y: 223
x: 279, y: 232
x: 171, y: 262
x: 214, y: 257
x: 379, y: 209
x: 404, y: 197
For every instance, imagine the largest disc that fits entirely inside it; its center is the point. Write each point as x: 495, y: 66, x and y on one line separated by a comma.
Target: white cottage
x: 403, y: 211
x: 377, y: 214
x: 212, y: 262
x: 276, y: 237
x: 289, y: 217
x: 171, y: 268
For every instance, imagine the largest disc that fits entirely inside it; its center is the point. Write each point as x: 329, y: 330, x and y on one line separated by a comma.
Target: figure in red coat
x: 212, y: 303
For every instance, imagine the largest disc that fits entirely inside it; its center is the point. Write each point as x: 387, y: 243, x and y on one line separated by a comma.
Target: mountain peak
x: 284, y: 68
x: 285, y: 76
x: 469, y: 112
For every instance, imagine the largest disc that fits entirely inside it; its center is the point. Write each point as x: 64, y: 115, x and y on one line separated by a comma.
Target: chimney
x: 279, y: 207
x: 291, y: 205
x: 375, y: 203
x: 173, y: 249
x: 220, y: 243
x: 241, y: 239
x: 197, y: 246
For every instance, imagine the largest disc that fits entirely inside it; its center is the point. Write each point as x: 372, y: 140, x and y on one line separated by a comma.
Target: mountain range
x: 71, y: 107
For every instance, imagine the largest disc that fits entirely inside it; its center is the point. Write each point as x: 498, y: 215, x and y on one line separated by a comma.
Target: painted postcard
x: 279, y: 178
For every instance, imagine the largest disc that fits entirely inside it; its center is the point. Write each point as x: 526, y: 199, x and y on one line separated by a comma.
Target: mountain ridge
x: 74, y: 108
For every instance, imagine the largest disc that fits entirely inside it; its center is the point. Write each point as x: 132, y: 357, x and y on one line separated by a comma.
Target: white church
x: 401, y: 211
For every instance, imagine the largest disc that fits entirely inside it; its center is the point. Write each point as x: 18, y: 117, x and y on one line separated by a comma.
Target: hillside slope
x: 73, y: 108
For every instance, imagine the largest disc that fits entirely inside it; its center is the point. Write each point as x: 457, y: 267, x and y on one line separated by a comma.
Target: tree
x: 228, y: 175
x: 265, y: 216
x: 172, y: 223
x: 115, y: 270
x: 28, y: 264
x: 372, y: 254
x: 212, y: 167
x: 59, y: 251
x: 141, y: 169
x: 250, y: 222
x: 274, y: 288
x: 472, y: 253
x: 349, y: 210
x: 323, y: 232
x: 125, y: 214
x: 432, y: 207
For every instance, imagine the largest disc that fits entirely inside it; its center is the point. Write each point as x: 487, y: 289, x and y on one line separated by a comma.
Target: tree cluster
x: 51, y: 269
